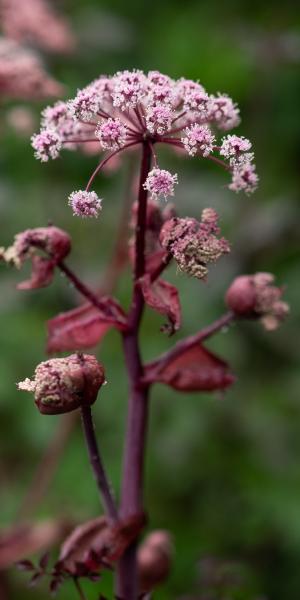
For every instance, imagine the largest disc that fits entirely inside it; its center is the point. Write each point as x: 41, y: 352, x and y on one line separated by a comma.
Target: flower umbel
x: 132, y: 108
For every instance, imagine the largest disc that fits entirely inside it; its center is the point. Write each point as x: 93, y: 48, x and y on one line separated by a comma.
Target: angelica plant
x: 142, y: 111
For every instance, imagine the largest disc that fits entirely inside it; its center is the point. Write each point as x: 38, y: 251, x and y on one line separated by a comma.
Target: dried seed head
x: 61, y: 385
x: 194, y: 244
x: 253, y: 296
x: 53, y: 240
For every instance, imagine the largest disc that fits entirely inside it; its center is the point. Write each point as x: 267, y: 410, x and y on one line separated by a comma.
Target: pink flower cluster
x: 112, y: 134
x: 160, y: 183
x: 132, y: 108
x: 35, y: 21
x: 85, y: 204
x: 46, y: 144
x: 22, y: 74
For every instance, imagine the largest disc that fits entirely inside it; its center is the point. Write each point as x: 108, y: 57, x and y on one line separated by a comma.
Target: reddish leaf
x: 83, y: 327
x: 35, y: 579
x: 97, y: 544
x: 191, y: 369
x: 162, y: 297
x: 41, y: 274
x: 43, y: 562
x: 25, y: 565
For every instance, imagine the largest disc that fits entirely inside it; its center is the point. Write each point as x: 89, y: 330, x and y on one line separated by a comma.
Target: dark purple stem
x: 97, y: 465
x: 133, y: 467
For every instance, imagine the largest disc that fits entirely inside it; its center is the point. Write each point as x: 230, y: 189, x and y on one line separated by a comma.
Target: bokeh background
x: 223, y: 473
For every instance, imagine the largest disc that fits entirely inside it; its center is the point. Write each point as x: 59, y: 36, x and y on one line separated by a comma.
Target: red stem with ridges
x: 133, y: 467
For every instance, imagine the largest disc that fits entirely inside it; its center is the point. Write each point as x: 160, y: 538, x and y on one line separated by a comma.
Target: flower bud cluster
x: 255, y: 296
x: 61, y: 385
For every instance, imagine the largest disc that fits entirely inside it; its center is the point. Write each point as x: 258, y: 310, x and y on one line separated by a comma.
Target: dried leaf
x: 55, y: 583
x: 25, y: 565
x: 97, y: 544
x: 43, y: 562
x: 35, y: 579
x: 164, y: 298
x: 83, y: 327
x: 41, y: 274
x: 191, y: 369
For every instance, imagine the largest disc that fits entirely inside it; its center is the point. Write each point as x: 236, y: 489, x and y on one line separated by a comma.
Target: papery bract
x: 84, y: 327
x: 97, y: 543
x: 191, y: 369
x: 164, y: 298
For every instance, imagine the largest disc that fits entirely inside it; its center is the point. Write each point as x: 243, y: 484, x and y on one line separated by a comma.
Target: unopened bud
x: 154, y: 560
x: 64, y: 384
x: 253, y: 296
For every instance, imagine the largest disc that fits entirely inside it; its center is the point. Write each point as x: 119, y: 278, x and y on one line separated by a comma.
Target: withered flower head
x: 256, y: 296
x: 194, y: 244
x: 55, y: 242
x: 61, y: 385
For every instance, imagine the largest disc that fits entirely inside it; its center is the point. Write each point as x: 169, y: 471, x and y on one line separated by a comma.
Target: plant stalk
x: 133, y: 466
x: 97, y: 465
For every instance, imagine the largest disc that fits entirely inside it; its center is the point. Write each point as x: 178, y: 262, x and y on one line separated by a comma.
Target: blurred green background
x: 223, y: 473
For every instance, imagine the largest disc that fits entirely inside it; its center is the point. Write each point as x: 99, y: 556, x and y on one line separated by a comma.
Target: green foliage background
x: 223, y: 474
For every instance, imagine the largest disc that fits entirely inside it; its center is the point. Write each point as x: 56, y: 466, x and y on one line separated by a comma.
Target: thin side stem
x: 192, y: 340
x: 97, y: 465
x: 79, y: 589
x: 133, y: 467
x: 83, y: 289
x: 105, y: 160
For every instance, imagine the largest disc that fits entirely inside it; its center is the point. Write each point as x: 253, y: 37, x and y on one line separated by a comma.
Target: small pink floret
x: 46, y: 144
x: 160, y: 183
x: 85, y: 204
x: 112, y: 134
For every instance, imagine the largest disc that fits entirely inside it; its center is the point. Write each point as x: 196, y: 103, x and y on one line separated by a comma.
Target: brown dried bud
x: 254, y: 296
x: 194, y: 244
x: 64, y: 384
x: 154, y: 560
x: 54, y: 241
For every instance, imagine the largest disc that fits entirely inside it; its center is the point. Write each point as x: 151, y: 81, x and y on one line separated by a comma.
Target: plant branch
x: 105, y: 160
x: 83, y: 289
x: 192, y: 340
x: 79, y: 589
x: 97, y: 465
